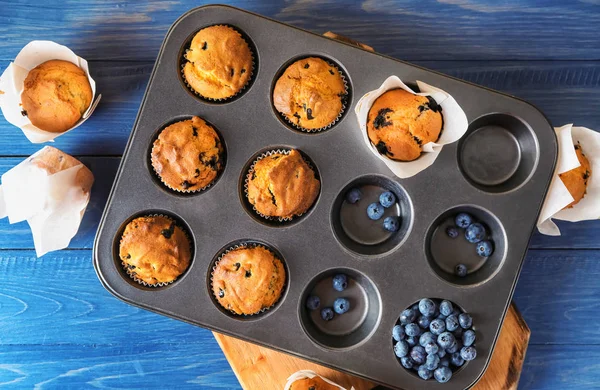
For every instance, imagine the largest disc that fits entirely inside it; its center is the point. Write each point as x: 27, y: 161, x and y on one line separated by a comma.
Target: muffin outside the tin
x: 399, y: 123
x: 576, y: 180
x: 188, y: 155
x: 248, y: 280
x: 310, y: 94
x: 315, y: 383
x: 154, y: 250
x: 282, y: 185
x: 219, y: 63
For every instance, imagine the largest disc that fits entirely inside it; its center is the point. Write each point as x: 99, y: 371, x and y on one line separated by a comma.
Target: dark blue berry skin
x: 485, y: 248
x: 423, y: 322
x: 468, y: 338
x: 446, y: 308
x: 327, y: 314
x: 442, y: 374
x: 458, y: 333
x: 408, y: 316
x: 375, y: 211
x: 353, y: 195
x: 427, y: 307
x: 401, y: 349
x: 426, y: 338
x: 456, y: 346
x: 431, y: 348
x: 387, y: 199
x: 424, y: 373
x: 412, y: 330
x: 313, y: 302
x: 442, y: 353
x: 460, y: 270
x: 406, y: 362
x: 340, y: 282
x: 432, y: 362
x: 463, y: 220
x: 452, y: 231
x: 468, y: 353
x: 451, y: 323
x: 412, y: 341
x: 456, y: 360
x: 465, y: 321
x: 391, y: 224
x: 341, y: 305
x: 398, y: 333
x: 475, y: 233
x: 445, y: 361
x: 415, y: 307
x: 445, y: 340
x: 417, y: 354
x: 437, y: 326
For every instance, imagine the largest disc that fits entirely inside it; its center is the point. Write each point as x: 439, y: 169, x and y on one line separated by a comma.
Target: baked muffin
x: 219, y: 62
x: 282, y: 185
x: 576, y: 180
x: 55, y: 95
x: 154, y: 250
x: 310, y: 93
x: 188, y: 155
x: 247, y: 280
x: 316, y: 383
x: 399, y: 123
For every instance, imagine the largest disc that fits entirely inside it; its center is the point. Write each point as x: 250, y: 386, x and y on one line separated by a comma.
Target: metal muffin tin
x: 500, y: 171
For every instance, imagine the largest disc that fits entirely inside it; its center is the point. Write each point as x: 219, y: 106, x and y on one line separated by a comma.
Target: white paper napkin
x: 308, y: 374
x: 455, y: 125
x: 11, y: 83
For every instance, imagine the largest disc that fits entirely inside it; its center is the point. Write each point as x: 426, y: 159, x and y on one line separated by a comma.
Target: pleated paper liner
x: 183, y: 61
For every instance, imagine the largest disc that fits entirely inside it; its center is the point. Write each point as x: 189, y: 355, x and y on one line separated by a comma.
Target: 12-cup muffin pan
x: 499, y: 172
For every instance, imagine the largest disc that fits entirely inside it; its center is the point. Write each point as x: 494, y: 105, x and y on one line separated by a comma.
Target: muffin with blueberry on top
x: 576, y: 180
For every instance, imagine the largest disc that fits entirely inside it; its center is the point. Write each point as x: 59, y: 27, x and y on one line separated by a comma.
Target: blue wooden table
x: 60, y: 329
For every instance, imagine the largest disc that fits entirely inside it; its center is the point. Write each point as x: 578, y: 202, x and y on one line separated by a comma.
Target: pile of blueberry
x: 375, y: 210
x: 340, y: 305
x: 434, y: 339
x: 475, y: 233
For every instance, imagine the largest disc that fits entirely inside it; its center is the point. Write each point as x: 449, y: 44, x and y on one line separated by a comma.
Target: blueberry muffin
x: 400, y: 123
x: 219, y: 62
x: 247, y: 280
x: 154, y: 250
x: 188, y: 155
x: 576, y: 180
x: 316, y: 383
x: 282, y: 185
x: 55, y: 95
x: 310, y: 93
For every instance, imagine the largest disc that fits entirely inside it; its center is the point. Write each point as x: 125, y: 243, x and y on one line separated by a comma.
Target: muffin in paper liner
x: 249, y: 174
x: 558, y: 196
x: 303, y: 374
x: 344, y: 100
x: 131, y: 273
x: 455, y: 125
x: 243, y: 245
x: 183, y: 61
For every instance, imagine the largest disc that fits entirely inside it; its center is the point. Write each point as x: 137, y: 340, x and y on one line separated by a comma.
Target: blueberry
x: 431, y: 348
x: 398, y: 333
x: 426, y: 338
x: 432, y: 362
x: 468, y: 353
x: 341, y: 305
x: 415, y: 307
x: 406, y: 362
x: 327, y: 313
x: 442, y: 374
x: 460, y: 270
x: 441, y: 353
x: 456, y: 346
x: 427, y: 307
x: 313, y: 302
x: 391, y: 224
x: 375, y: 211
x: 424, y: 373
x: 387, y: 199
x: 412, y: 330
x: 458, y: 333
x: 484, y: 248
x: 452, y: 231
x: 463, y: 220
x: 401, y: 349
x: 456, y: 360
x: 445, y: 361
x: 407, y: 316
x: 465, y: 321
x: 412, y: 341
x: 445, y: 340
x: 451, y: 323
x: 446, y: 308
x: 353, y: 195
x: 437, y: 326
x: 475, y: 232
x: 441, y: 317
x: 423, y: 322
x: 468, y: 338
x: 340, y: 282
x: 417, y: 354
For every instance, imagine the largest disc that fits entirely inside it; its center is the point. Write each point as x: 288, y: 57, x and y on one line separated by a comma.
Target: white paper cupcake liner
x: 302, y: 374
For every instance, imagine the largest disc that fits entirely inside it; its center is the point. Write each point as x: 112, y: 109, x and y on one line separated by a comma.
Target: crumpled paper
x: 558, y: 195
x: 455, y: 125
x: 11, y: 83
x: 52, y: 204
x: 308, y: 374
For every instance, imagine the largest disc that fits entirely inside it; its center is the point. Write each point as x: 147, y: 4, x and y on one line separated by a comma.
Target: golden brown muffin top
x: 56, y: 94
x: 576, y: 179
x: 399, y: 123
x: 154, y: 249
x: 316, y: 383
x: 53, y: 161
x: 282, y: 185
x: 219, y: 63
x: 188, y: 155
x: 309, y: 93
x: 247, y: 280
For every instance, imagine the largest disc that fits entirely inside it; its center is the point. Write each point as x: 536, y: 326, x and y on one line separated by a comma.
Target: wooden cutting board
x: 261, y: 368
